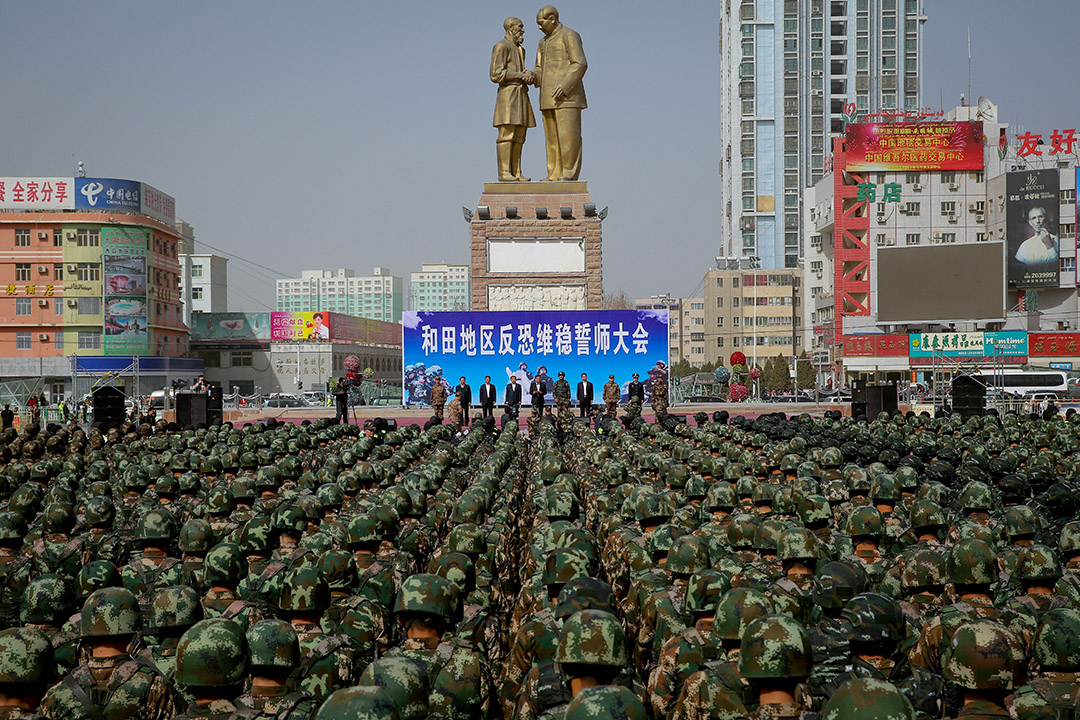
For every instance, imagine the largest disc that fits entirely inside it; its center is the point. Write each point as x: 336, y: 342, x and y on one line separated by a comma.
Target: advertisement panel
x: 230, y: 326
x: 346, y: 328
x: 875, y: 345
x: 1053, y: 344
x: 157, y: 204
x: 1077, y: 219
x: 1031, y: 226
x: 37, y: 193
x: 123, y: 256
x: 305, y: 326
x: 1010, y: 346
x: 441, y: 347
x: 933, y: 146
x: 107, y: 194
x: 941, y: 283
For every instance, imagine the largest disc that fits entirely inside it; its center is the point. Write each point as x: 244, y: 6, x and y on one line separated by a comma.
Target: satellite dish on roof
x: 986, y: 111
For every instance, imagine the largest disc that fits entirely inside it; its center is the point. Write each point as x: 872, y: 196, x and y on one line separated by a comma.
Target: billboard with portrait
x: 1031, y: 232
x: 123, y: 256
x: 302, y: 326
x: 441, y: 347
x: 936, y: 146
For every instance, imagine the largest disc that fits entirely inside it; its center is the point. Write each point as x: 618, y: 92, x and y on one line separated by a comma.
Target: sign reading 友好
x: 914, y: 146
x: 441, y: 347
x: 1010, y: 346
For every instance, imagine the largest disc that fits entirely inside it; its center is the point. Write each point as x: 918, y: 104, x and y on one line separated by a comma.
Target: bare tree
x: 617, y: 300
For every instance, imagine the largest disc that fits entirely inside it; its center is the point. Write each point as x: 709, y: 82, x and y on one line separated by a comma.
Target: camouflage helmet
x: 460, y: 569
x: 404, y: 681
x: 562, y: 566
x: 427, y: 594
x: 110, y: 612
x: 156, y: 525
x: 222, y: 565
x: 466, y: 538
x: 1069, y: 541
x: 273, y: 644
x: 971, y: 562
x: 196, y: 536
x: 814, y: 509
x: 606, y: 701
x: 593, y: 637
x: 1037, y: 563
x: 212, y: 653
x: 99, y: 511
x: 981, y: 656
x: 926, y: 513
x: 865, y: 521
x: 687, y: 556
x: 339, y: 570
x: 358, y: 703
x: 923, y: 570
x: 304, y: 590
x: 1056, y: 645
x: 1021, y: 520
x: 175, y: 607
x: 95, y: 575
x: 738, y: 608
x: 799, y: 544
x: 26, y: 657
x: 868, y: 699
x: 47, y: 600
x: 584, y: 593
x: 775, y: 646
x: 835, y: 583
x: 704, y: 591
x: 976, y: 495
x: 874, y: 618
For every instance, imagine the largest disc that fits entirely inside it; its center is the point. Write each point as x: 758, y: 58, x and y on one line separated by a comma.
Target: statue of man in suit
x: 560, y: 66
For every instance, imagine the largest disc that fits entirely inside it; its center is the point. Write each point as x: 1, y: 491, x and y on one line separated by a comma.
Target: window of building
x: 197, y: 293
x: 1068, y: 265
x: 89, y: 340
x: 22, y: 237
x: 88, y: 272
x: 196, y: 271
x: 58, y: 271
x: 948, y: 237
x: 735, y: 321
x: 734, y: 342
x: 89, y: 306
x: 948, y: 207
x: 58, y: 238
x: 22, y: 271
x: 912, y: 239
x: 948, y: 177
x: 697, y: 306
x: 85, y: 237
x: 735, y: 283
x: 22, y: 306
x: 719, y: 342
x: 1068, y: 197
x: 913, y: 208
x: 980, y: 237
x: 719, y: 322
x: 23, y: 341
x: 241, y: 359
x: 58, y: 339
x: 1067, y: 231
x: 719, y: 302
x: 58, y: 306
x: 914, y: 178
x: 735, y: 302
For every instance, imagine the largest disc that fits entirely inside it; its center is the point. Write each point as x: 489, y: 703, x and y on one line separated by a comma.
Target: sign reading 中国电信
x: 441, y: 347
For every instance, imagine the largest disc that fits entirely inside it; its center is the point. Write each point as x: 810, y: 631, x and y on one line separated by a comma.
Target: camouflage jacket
x: 278, y: 703
x: 1050, y: 696
x: 113, y: 687
x: 715, y: 693
x: 681, y: 657
x: 533, y: 644
x: 459, y: 686
x: 327, y: 662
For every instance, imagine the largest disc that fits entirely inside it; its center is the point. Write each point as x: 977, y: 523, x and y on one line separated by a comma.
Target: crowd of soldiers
x: 903, y: 568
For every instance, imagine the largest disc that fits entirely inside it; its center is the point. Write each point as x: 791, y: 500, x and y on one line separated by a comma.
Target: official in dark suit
x: 487, y: 398
x: 466, y: 399
x: 536, y: 391
x: 635, y: 391
x: 512, y: 396
x: 585, y: 395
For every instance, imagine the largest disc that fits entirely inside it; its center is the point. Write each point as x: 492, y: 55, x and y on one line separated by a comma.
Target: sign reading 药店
x: 441, y: 347
x: 1008, y: 345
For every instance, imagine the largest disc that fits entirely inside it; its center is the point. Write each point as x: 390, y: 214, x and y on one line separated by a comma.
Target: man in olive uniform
x: 513, y: 111
x: 456, y: 412
x: 611, y: 396
x: 659, y: 394
x: 438, y: 399
x: 561, y: 393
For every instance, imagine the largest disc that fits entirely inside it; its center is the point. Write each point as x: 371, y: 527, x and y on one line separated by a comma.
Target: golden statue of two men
x: 560, y: 66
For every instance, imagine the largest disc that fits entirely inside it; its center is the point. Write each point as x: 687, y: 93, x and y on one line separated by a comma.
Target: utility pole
x: 794, y: 335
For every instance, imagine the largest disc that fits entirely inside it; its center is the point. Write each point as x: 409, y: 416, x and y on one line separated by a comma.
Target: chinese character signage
x: 37, y: 193
x: 440, y: 347
x: 346, y: 328
x: 107, y: 194
x: 1009, y: 345
x: 123, y: 255
x: 914, y: 146
x: 305, y: 326
x: 1031, y: 234
x: 1053, y: 344
x: 1061, y: 141
x: 875, y: 345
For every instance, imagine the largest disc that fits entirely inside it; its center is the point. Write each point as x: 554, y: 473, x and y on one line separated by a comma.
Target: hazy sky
x: 349, y: 134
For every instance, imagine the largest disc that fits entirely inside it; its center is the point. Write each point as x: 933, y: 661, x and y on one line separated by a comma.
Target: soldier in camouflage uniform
x: 438, y: 399
x: 1053, y: 690
x: 658, y: 395
x: 561, y: 393
x: 868, y: 699
x: 212, y: 663
x: 112, y: 681
x: 612, y: 395
x: 981, y: 660
x: 26, y: 671
x: 274, y: 650
x: 455, y: 413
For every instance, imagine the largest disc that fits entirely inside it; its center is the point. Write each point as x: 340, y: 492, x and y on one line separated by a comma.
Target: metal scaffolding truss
x: 944, y: 369
x: 84, y: 382
x: 16, y: 392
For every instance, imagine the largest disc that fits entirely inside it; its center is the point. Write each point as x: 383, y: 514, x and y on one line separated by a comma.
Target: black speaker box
x: 214, y: 414
x: 968, y: 396
x: 191, y: 408
x: 879, y: 399
x: 109, y: 409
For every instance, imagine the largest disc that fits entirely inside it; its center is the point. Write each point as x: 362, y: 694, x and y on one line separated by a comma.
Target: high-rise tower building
x: 789, y: 72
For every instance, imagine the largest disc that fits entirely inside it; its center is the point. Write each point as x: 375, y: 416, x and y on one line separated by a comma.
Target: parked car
x: 285, y: 402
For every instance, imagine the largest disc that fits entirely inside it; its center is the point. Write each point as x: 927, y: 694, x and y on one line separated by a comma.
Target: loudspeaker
x: 109, y: 409
x: 214, y: 415
x: 191, y: 408
x: 857, y: 409
x: 879, y: 399
x: 858, y: 391
x: 968, y: 397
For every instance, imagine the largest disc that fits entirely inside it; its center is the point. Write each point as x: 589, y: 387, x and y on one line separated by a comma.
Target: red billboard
x: 914, y: 146
x: 875, y: 346
x: 1053, y: 344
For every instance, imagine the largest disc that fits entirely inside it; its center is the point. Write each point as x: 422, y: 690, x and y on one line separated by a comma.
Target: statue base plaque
x: 536, y: 246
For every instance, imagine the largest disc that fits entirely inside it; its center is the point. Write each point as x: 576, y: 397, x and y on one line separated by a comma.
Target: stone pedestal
x: 524, y: 262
